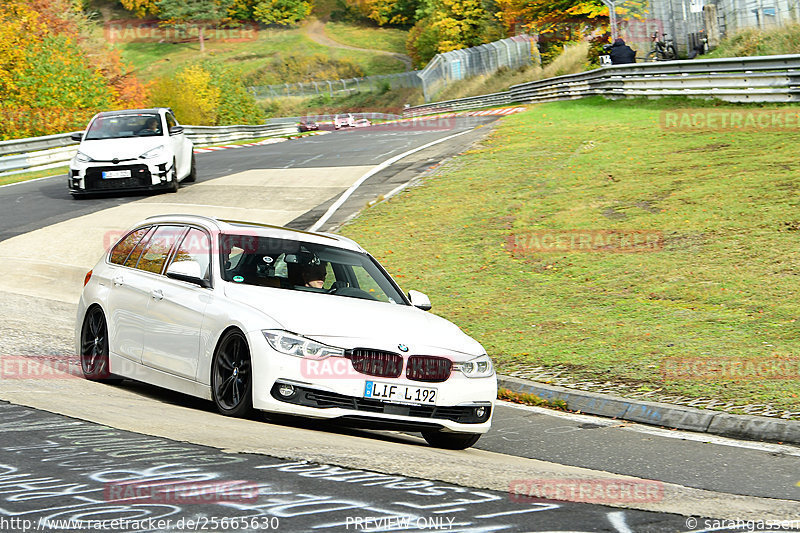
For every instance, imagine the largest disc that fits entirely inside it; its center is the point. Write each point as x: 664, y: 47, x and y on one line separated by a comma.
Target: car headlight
x: 80, y: 157
x: 158, y: 151
x: 291, y: 344
x: 480, y: 367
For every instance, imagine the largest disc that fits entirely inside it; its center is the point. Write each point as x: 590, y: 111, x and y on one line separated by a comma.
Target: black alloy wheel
x: 231, y: 375
x: 94, y: 347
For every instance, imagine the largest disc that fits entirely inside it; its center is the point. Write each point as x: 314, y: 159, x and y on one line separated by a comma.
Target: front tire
x: 192, y: 177
x: 450, y: 441
x: 174, y: 183
x: 94, y: 347
x: 231, y: 376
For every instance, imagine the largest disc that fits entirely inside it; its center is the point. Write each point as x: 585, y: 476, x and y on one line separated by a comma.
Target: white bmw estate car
x: 134, y: 149
x: 283, y: 321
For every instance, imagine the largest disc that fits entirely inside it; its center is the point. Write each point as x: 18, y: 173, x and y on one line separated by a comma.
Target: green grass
x: 754, y: 42
x: 723, y: 286
x: 387, y: 39
x: 391, y: 101
x: 16, y: 178
x: 284, y: 46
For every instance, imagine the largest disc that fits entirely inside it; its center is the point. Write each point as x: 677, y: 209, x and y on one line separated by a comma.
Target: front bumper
x: 464, y: 405
x: 87, y: 178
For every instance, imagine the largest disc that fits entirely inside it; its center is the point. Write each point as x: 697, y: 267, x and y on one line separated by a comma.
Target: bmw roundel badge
x: 402, y: 347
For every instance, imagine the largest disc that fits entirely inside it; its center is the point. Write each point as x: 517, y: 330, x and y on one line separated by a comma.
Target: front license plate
x: 109, y: 174
x: 392, y: 392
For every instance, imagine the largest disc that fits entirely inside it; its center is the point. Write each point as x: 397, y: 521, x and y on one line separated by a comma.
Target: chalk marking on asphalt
x: 672, y: 434
x: 520, y: 511
x: 617, y: 520
x: 343, y: 198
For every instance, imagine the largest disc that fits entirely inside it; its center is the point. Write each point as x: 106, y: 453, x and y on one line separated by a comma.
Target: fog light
x: 286, y: 390
x: 480, y: 411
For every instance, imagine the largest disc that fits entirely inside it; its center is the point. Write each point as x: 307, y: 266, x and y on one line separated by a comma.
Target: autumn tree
x: 141, y: 8
x: 562, y: 19
x: 206, y: 94
x: 446, y: 25
x: 387, y: 12
x: 181, y: 13
x: 282, y: 12
x: 54, y: 74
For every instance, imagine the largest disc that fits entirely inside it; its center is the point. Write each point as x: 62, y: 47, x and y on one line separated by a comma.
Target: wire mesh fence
x: 440, y: 72
x: 449, y: 67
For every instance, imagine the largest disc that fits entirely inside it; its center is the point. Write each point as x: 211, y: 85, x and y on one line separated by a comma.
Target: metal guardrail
x: 52, y: 151
x: 737, y: 79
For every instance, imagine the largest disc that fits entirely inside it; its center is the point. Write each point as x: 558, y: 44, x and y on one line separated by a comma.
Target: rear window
x: 123, y: 248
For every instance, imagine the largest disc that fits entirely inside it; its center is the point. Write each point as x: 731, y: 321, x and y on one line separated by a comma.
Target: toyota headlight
x: 291, y: 344
x: 158, y: 151
x: 480, y: 367
x: 80, y: 157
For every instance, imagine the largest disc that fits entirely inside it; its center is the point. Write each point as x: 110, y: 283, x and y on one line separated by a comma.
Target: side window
x: 123, y: 248
x: 195, y: 247
x: 133, y: 258
x: 158, y: 247
x: 171, y: 121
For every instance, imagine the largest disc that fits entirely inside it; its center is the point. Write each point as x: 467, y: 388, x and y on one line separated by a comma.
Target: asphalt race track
x: 70, y: 448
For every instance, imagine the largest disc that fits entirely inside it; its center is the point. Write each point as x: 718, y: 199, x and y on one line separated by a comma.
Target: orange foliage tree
x: 53, y: 75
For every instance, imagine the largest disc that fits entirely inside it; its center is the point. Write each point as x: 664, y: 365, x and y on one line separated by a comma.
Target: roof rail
x: 212, y: 219
x: 272, y: 226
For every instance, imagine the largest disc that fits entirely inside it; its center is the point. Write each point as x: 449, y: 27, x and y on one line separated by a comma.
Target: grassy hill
x: 267, y: 56
x: 719, y: 289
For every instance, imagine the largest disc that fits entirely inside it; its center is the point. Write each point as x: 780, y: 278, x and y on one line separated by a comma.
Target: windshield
x: 122, y: 126
x: 303, y: 266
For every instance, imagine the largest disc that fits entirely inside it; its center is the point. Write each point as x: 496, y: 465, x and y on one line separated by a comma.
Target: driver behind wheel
x: 314, y: 275
x: 309, y: 274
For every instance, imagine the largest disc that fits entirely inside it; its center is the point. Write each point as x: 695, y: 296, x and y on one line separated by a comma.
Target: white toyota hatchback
x: 134, y: 149
x: 283, y: 321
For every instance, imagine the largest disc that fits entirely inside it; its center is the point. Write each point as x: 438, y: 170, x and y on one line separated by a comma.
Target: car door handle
x: 157, y: 294
x: 117, y: 281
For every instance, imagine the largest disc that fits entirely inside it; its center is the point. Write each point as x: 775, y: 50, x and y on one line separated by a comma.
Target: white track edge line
x: 343, y: 198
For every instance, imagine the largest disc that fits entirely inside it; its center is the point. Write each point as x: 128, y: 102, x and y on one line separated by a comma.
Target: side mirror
x: 77, y: 136
x: 188, y: 271
x: 419, y: 300
x: 175, y: 130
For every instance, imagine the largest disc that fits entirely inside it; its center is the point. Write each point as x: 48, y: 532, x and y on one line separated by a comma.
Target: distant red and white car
x: 344, y: 121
